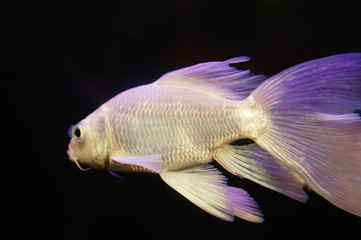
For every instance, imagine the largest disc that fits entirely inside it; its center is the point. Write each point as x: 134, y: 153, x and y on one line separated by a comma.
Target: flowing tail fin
x: 313, y: 128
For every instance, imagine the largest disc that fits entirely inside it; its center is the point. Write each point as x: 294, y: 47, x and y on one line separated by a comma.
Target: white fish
x: 302, y: 120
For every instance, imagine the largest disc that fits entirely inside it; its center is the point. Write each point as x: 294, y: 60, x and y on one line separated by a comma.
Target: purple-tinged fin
x: 151, y: 162
x: 312, y: 128
x: 115, y: 175
x: 217, y: 78
x: 244, y: 206
x: 207, y: 188
x: 257, y: 165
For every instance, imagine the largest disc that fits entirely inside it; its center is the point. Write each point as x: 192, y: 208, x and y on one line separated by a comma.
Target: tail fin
x: 312, y: 127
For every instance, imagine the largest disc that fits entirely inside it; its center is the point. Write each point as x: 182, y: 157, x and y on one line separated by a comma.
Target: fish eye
x: 77, y: 133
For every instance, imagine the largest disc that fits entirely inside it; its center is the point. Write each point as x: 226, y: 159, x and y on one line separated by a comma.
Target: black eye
x: 77, y: 132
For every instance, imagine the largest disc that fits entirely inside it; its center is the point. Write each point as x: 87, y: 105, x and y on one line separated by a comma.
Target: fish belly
x: 185, y: 126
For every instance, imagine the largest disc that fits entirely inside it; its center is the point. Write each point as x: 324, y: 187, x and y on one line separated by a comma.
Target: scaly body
x: 302, y: 122
x: 186, y: 127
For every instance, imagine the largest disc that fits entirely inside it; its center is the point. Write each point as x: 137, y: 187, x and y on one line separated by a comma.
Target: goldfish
x: 303, y: 124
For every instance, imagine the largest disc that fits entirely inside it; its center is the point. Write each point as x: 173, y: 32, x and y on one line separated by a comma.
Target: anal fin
x: 255, y: 164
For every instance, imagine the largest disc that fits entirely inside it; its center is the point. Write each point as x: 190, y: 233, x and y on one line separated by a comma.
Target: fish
x: 303, y: 123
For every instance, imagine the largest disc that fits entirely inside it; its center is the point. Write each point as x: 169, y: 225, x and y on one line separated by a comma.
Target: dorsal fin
x: 217, y: 78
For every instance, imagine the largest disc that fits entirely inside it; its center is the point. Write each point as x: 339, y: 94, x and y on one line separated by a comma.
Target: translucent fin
x: 207, y: 188
x: 115, y: 175
x: 217, y: 78
x: 311, y: 127
x: 329, y: 85
x: 151, y: 162
x: 244, y: 206
x: 254, y: 163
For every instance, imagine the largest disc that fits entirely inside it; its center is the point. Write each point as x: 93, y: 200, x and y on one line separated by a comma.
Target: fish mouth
x: 75, y: 160
x: 71, y: 156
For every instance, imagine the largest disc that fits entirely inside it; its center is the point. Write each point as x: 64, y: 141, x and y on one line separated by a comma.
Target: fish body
x: 187, y: 127
x: 179, y: 124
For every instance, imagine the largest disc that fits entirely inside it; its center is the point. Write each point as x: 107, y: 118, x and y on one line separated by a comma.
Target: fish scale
x: 302, y: 122
x: 156, y: 122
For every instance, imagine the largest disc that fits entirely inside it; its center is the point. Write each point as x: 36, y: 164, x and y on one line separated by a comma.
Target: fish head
x: 88, y: 145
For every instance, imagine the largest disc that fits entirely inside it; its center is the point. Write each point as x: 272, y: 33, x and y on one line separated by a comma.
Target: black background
x: 60, y: 60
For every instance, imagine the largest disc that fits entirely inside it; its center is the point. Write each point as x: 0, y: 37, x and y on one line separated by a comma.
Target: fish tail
x: 313, y: 127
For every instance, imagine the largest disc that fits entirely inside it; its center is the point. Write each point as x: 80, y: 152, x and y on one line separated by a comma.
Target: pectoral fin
x: 151, y: 162
x: 207, y: 188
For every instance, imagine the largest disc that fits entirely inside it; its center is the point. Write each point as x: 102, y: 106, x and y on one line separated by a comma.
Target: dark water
x: 61, y: 59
